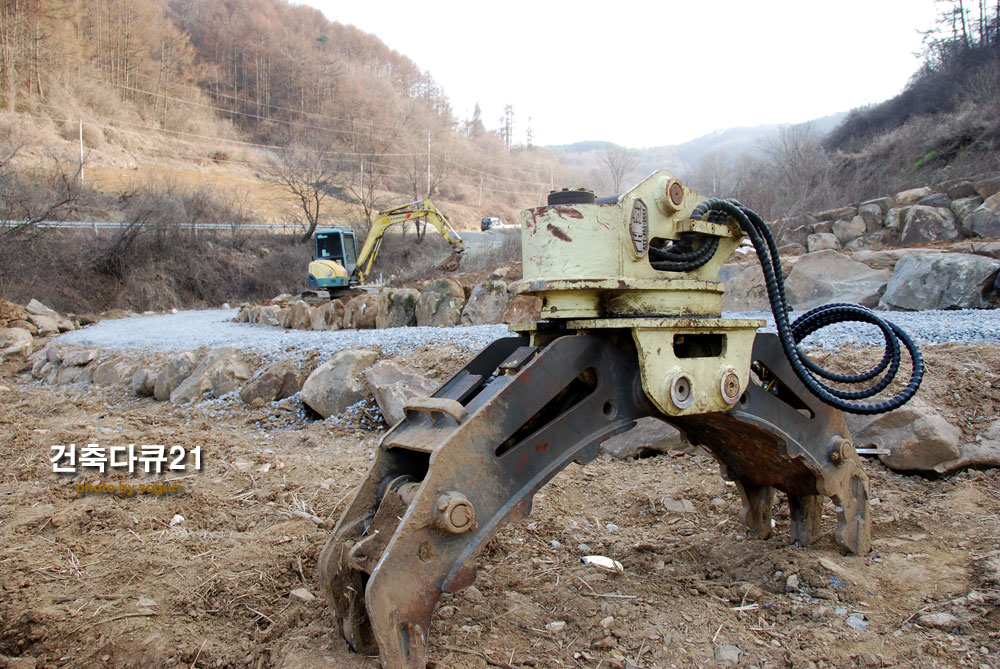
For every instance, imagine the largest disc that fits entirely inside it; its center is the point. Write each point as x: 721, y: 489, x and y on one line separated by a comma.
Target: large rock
x: 958, y: 189
x: 219, y: 373
x: 917, y: 438
x: 822, y: 241
x: 649, y: 437
x: 393, y: 385
x: 872, y: 215
x: 329, y: 316
x: 988, y: 186
x: 397, y: 308
x: 74, y: 374
x: 884, y: 204
x: 440, y: 303
x: 143, y: 382
x: 280, y: 380
x: 745, y: 291
x: 76, y: 357
x: 884, y: 258
x: 962, y: 208
x: 267, y: 315
x: 14, y: 343
x: 912, y: 196
x: 928, y: 224
x: 523, y: 309
x: 829, y: 276
x: 335, y: 385
x: 894, y: 217
x: 985, y: 220
x: 941, y: 281
x: 296, y: 317
x: 794, y: 230
x: 939, y: 200
x: 39, y: 309
x: 982, y: 453
x: 874, y: 240
x: 113, y: 371
x: 360, y: 312
x: 846, y: 231
x: 178, y: 368
x: 11, y: 312
x: 486, y: 303
x: 47, y: 325
x: 838, y: 214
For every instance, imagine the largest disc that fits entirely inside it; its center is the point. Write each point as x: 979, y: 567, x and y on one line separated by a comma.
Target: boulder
x: 328, y: 316
x: 649, y: 437
x: 988, y: 187
x: 267, y: 315
x: 838, y: 214
x: 486, y: 304
x: 746, y: 291
x: 113, y: 371
x: 894, y: 217
x: 916, y: 436
x: 962, y: 208
x: 397, y: 308
x: 884, y: 204
x: 928, y: 224
x: 821, y: 241
x: 872, y: 215
x: 794, y: 230
x: 984, y: 452
x: 958, y: 189
x: 794, y: 249
x: 219, y: 373
x: 393, y: 385
x: 76, y: 374
x: 15, y: 343
x: 143, y: 382
x: 296, y: 317
x: 24, y: 325
x: 243, y: 315
x: 938, y: 200
x: 884, y: 258
x: 360, y: 312
x: 846, y: 231
x: 523, y: 309
x: 37, y: 308
x: 335, y: 385
x: 984, y: 221
x: 941, y: 281
x: 912, y: 196
x: 873, y: 240
x: 47, y: 325
x: 440, y: 303
x: 828, y: 276
x: 10, y: 312
x: 279, y: 380
x: 77, y: 357
x: 178, y: 368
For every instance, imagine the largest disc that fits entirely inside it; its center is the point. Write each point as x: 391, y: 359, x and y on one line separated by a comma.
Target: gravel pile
x: 214, y: 327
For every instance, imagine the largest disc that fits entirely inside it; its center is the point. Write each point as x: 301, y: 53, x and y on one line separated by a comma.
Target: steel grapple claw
x: 472, y: 456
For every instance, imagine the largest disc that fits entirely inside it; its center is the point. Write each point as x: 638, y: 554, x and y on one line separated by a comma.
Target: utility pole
x: 428, y: 163
x: 81, y: 150
x: 480, y: 191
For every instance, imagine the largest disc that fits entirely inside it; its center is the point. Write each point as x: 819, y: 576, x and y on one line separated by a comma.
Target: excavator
x: 337, y: 268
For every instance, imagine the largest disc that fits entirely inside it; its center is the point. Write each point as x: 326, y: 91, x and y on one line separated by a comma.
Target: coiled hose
x: 790, y: 334
x: 682, y: 256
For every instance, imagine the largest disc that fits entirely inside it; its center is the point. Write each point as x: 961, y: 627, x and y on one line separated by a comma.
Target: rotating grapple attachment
x: 625, y: 336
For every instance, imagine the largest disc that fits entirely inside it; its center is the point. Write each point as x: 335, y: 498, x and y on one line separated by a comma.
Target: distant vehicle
x: 494, y: 223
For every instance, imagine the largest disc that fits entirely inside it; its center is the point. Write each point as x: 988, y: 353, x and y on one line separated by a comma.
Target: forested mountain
x: 255, y: 81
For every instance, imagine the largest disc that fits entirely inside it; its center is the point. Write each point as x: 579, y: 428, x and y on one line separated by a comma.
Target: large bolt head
x: 455, y: 513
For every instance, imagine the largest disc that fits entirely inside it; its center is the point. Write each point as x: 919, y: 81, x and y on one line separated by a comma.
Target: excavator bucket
x: 451, y: 263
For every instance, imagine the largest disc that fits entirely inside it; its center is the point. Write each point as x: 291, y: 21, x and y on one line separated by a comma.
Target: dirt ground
x: 120, y: 581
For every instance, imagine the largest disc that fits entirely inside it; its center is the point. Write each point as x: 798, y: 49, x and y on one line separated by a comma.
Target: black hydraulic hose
x: 790, y: 334
x: 679, y: 257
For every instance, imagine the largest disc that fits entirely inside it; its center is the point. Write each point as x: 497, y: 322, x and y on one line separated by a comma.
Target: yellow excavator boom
x: 412, y: 211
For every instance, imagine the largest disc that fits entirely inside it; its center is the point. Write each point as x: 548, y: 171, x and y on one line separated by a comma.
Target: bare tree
x: 620, y: 163
x: 309, y: 174
x: 714, y: 175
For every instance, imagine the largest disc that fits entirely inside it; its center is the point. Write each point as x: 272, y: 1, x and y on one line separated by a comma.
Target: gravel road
x: 214, y: 327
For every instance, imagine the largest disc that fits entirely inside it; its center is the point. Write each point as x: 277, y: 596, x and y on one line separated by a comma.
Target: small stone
x: 857, y: 621
x: 678, y: 505
x: 792, y: 583
x: 606, y: 623
x: 473, y: 594
x: 727, y: 655
x: 941, y: 621
x: 302, y: 595
x: 446, y: 612
x: 611, y: 527
x: 146, y: 603
x: 556, y: 626
x: 555, y: 544
x: 583, y: 548
x: 176, y: 520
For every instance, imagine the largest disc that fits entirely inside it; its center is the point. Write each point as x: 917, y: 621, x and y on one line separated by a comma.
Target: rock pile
x: 22, y: 327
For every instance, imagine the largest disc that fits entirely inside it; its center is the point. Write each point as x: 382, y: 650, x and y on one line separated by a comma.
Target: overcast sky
x: 651, y: 73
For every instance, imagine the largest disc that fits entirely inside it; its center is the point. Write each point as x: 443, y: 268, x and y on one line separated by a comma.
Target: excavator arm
x: 412, y: 211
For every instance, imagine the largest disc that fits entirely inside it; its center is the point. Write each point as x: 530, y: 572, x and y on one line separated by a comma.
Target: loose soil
x: 121, y: 582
